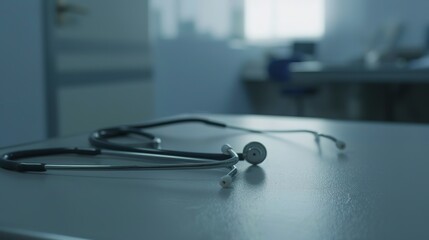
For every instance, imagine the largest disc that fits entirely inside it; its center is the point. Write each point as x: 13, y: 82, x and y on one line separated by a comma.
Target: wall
x: 22, y: 98
x: 195, y: 74
x: 351, y: 23
x: 413, y: 14
x: 197, y: 68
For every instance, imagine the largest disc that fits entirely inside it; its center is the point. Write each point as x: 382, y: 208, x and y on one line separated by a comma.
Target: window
x: 278, y: 20
x: 206, y: 18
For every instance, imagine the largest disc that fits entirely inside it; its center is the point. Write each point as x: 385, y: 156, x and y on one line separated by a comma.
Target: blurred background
x: 71, y: 66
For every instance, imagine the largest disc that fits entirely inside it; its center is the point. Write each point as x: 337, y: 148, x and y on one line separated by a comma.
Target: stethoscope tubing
x: 100, y: 140
x: 9, y: 161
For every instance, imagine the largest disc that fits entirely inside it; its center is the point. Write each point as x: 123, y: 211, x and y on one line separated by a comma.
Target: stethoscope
x: 254, y: 152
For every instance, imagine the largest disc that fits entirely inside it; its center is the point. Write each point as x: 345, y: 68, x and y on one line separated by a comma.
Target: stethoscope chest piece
x: 254, y: 153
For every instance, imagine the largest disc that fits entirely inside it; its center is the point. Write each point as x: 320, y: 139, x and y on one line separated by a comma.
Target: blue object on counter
x: 278, y: 69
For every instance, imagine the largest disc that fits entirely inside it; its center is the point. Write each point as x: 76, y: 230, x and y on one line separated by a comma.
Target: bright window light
x: 273, y: 20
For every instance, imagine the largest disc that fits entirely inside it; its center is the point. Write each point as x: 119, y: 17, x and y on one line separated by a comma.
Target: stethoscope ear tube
x: 98, y: 140
x: 22, y: 167
x: 9, y: 160
x: 50, y: 151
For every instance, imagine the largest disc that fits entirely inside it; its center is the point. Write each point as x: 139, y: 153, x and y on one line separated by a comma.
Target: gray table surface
x: 376, y: 189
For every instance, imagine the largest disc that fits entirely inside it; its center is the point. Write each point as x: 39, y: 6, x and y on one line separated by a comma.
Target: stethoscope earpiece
x: 340, y: 145
x: 254, y: 153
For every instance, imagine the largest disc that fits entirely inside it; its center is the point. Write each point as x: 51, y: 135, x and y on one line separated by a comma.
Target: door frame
x: 49, y: 15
